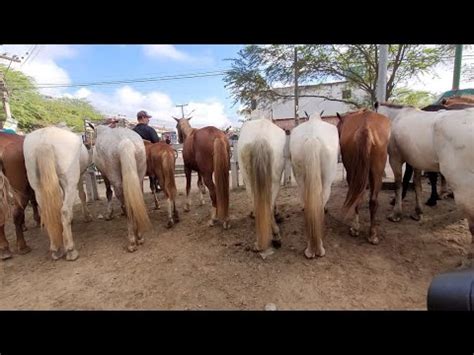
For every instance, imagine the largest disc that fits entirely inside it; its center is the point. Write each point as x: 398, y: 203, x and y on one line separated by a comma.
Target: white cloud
x: 41, y: 64
x: 165, y: 51
x: 128, y: 101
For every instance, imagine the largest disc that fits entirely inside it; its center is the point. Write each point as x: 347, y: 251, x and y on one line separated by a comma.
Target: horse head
x: 182, y: 125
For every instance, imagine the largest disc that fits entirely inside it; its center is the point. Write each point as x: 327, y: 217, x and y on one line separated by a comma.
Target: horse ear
x: 306, y: 113
x: 176, y: 119
x: 321, y: 113
x: 189, y: 118
x: 338, y: 115
x: 443, y: 101
x: 91, y: 125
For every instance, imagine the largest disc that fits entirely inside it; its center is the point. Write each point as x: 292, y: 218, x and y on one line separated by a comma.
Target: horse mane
x: 392, y: 105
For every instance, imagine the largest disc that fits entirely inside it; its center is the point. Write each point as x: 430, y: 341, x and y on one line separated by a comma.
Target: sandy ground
x: 193, y: 266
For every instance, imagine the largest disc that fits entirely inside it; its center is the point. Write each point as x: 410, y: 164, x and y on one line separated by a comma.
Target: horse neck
x: 187, y: 130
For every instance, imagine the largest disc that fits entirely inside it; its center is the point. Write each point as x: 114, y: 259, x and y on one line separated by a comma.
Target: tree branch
x: 318, y: 96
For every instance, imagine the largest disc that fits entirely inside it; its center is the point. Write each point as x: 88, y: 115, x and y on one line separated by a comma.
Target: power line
x: 29, y: 53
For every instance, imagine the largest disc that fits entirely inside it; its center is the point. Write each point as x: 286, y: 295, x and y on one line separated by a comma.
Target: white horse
x: 314, y: 147
x: 56, y: 160
x: 434, y: 141
x: 119, y: 154
x: 260, y: 153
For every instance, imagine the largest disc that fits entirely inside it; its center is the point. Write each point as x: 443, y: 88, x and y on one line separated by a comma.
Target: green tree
x: 33, y: 110
x: 257, y: 68
x: 417, y: 98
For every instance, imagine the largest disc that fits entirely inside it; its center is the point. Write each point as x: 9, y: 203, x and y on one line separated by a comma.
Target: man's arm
x: 154, y: 136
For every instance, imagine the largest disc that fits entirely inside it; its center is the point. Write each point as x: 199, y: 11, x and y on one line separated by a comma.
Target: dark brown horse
x: 13, y: 180
x: 160, y: 164
x: 364, y: 137
x: 207, y: 151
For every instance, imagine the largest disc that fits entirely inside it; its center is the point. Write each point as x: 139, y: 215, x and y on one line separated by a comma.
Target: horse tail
x: 360, y: 168
x: 258, y: 164
x: 313, y: 198
x: 221, y: 176
x: 50, y: 193
x: 132, y: 188
x: 5, y: 190
x: 168, y: 174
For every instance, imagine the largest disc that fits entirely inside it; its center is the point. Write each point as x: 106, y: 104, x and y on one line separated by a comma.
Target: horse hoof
x: 417, y: 217
x: 72, y: 255
x: 265, y: 254
x: 186, y: 209
x: 56, y: 255
x: 226, y: 225
x: 25, y: 250
x: 251, y: 215
x: 203, y: 203
x: 354, y: 232
x: 140, y: 241
x: 5, y: 254
x: 373, y: 240
x: 431, y: 202
x: 309, y: 254
x: 131, y: 248
x: 394, y: 218
x: 109, y: 218
x: 170, y: 224
x: 276, y: 243
x: 392, y: 202
x: 211, y: 223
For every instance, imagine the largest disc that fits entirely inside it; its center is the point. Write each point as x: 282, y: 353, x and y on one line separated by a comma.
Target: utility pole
x: 381, y: 91
x: 182, y: 109
x: 457, y: 67
x: 4, y: 91
x: 296, y: 85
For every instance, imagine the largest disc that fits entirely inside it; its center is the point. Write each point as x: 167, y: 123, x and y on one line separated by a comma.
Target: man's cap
x: 143, y: 114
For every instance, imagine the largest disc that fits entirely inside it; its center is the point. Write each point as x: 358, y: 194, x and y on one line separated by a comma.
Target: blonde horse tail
x: 360, y: 166
x: 168, y: 174
x: 50, y: 193
x: 313, y: 197
x: 132, y: 190
x: 258, y: 163
x: 5, y: 190
x: 221, y: 176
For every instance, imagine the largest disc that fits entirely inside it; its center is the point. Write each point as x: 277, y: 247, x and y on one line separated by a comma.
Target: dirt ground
x: 193, y: 266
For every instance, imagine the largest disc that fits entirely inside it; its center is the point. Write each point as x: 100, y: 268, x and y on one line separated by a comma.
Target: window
x: 346, y: 94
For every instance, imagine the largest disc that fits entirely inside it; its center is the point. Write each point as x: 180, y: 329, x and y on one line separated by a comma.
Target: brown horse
x: 458, y: 100
x: 364, y: 137
x: 160, y: 164
x: 207, y: 151
x: 13, y: 180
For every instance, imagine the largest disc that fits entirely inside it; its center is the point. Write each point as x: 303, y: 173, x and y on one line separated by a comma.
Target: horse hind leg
x: 202, y: 190
x: 187, y: 172
x: 432, y: 201
x: 170, y: 214
x: 418, y: 215
x: 396, y: 165
x: 212, y: 192
x: 82, y: 196
x: 66, y: 218
x: 276, y: 236
x: 375, y: 182
x: 355, y: 227
x: 19, y: 221
x: 108, y: 192
x: 34, y: 205
x: 5, y: 252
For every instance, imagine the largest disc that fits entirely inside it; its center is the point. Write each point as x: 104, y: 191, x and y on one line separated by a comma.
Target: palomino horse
x: 314, y: 147
x: 13, y: 180
x: 364, y: 137
x: 433, y: 141
x: 56, y: 160
x: 160, y: 163
x: 261, y: 160
x: 119, y: 154
x: 207, y: 151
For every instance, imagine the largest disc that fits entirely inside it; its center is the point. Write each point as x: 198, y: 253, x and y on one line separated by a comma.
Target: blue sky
x: 75, y: 64
x: 207, y: 96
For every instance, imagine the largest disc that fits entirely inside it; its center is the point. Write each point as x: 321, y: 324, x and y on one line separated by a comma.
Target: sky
x: 207, y: 98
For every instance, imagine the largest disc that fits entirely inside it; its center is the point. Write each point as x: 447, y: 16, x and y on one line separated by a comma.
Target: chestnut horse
x: 160, y: 164
x: 364, y: 137
x: 13, y: 180
x: 207, y: 151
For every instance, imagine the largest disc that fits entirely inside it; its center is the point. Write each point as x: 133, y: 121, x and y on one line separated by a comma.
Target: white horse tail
x: 50, y: 193
x: 313, y: 199
x: 258, y: 161
x: 132, y: 190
